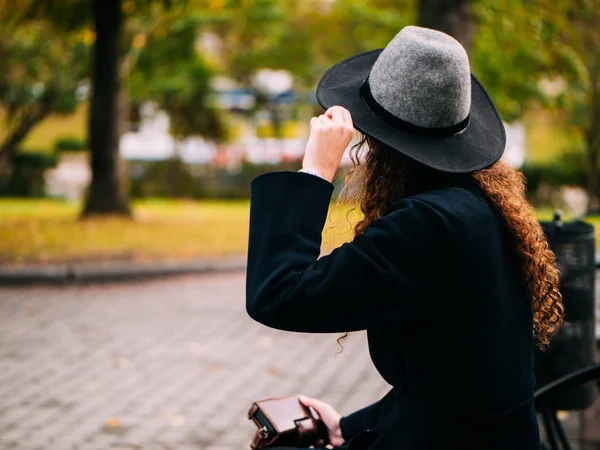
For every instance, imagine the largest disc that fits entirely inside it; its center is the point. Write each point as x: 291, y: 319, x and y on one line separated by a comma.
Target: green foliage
x: 249, y: 29
x: 541, y: 52
x: 544, y: 52
x: 570, y: 170
x: 511, y: 51
x: 303, y: 37
x: 39, y: 66
x: 576, y: 58
x: 578, y: 95
x: 26, y: 176
x: 69, y: 144
x: 171, y: 73
x: 40, y: 71
x: 75, y: 15
x: 174, y: 179
x: 222, y: 184
x: 171, y: 178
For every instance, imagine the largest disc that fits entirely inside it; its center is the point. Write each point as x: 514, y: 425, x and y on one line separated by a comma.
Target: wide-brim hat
x: 418, y: 96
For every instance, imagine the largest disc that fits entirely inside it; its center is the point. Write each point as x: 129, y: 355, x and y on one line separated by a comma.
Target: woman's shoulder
x: 458, y: 203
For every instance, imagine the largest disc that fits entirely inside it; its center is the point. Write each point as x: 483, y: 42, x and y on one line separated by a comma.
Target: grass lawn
x: 48, y: 231
x: 43, y: 136
x: 548, y: 137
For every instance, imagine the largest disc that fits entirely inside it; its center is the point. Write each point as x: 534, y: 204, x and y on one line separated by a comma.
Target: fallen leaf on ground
x: 216, y: 368
x: 113, y: 422
x: 274, y: 370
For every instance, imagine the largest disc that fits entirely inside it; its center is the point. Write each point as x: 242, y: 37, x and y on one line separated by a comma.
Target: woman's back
x: 473, y: 354
x: 480, y: 336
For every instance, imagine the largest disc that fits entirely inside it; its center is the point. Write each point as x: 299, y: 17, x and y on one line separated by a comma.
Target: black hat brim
x: 477, y: 147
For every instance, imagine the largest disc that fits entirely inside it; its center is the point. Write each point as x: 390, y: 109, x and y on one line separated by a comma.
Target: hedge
x: 26, y: 174
x: 69, y: 144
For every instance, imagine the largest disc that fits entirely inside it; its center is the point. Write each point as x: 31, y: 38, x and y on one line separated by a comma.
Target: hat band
x: 397, y: 122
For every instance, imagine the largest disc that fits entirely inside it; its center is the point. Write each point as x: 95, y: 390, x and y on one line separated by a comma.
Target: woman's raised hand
x: 330, y: 134
x: 330, y: 417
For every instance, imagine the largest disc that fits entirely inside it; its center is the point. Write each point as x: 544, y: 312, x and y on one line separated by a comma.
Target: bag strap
x: 304, y: 427
x: 259, y: 439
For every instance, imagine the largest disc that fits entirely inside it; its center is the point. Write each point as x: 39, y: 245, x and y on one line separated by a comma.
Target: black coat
x: 435, y: 284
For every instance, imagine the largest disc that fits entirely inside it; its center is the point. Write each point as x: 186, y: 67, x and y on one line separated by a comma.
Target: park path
x: 164, y: 364
x: 167, y: 364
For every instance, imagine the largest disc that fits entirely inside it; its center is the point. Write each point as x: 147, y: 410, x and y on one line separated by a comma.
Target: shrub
x: 219, y: 183
x: 175, y: 179
x: 69, y: 144
x: 170, y: 178
x: 25, y: 177
x: 569, y: 169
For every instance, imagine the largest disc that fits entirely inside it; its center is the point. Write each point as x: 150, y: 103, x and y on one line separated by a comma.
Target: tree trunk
x: 8, y: 148
x: 276, y: 119
x: 105, y: 194
x: 593, y: 146
x: 453, y: 17
x: 593, y: 206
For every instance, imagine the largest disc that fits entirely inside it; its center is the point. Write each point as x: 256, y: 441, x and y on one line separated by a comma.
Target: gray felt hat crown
x: 418, y: 96
x: 403, y: 79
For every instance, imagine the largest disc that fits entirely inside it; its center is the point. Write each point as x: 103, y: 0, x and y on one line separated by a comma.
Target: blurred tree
x: 248, y: 35
x: 516, y: 50
x: 120, y: 28
x: 303, y: 37
x: 352, y: 26
x: 511, y: 52
x: 105, y: 194
x: 170, y: 72
x: 40, y: 72
x: 577, y: 58
x: 454, y: 17
x: 544, y: 52
x: 180, y: 87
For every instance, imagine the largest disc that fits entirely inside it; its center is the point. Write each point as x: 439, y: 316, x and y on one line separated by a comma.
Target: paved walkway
x: 165, y: 364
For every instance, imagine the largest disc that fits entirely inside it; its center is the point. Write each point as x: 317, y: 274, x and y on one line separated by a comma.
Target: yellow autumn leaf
x: 274, y: 370
x: 216, y: 368
x: 113, y: 422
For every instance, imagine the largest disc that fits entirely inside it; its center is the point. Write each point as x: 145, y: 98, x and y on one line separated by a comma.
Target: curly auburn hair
x: 385, y: 176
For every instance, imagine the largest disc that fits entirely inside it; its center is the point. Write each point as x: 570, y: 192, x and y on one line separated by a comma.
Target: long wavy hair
x: 379, y: 176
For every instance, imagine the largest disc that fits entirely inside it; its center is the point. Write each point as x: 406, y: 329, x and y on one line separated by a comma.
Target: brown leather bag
x: 286, y: 421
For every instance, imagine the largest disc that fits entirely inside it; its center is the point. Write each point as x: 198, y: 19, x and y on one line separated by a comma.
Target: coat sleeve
x: 385, y: 274
x: 367, y: 417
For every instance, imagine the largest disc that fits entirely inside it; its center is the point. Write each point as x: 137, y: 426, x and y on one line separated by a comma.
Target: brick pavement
x: 169, y: 364
x: 161, y: 365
